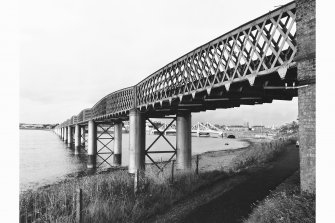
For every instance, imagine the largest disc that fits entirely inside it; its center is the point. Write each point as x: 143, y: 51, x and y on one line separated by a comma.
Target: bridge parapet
x: 119, y: 101
x: 68, y: 122
x: 84, y: 115
x: 258, y: 47
x: 115, y: 103
x: 73, y: 120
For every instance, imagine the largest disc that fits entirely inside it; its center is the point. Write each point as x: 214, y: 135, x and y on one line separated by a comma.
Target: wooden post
x: 172, y: 170
x: 79, y: 204
x: 197, y: 165
x: 136, y: 181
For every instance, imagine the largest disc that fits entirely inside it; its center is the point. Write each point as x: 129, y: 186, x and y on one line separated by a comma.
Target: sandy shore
x: 220, y: 160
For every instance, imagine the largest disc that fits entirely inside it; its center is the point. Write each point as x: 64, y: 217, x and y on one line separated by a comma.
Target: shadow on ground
x: 236, y: 204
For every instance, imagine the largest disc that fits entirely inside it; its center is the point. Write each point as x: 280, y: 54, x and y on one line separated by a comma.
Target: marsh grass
x: 285, y: 207
x: 260, y: 153
x: 286, y: 204
x: 109, y: 197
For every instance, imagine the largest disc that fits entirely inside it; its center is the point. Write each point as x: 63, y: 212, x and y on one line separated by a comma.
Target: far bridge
x: 199, y: 129
x: 269, y: 58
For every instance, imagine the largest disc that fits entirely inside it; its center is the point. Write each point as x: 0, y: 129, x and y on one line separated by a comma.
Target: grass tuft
x: 110, y: 197
x: 259, y: 153
x: 285, y: 207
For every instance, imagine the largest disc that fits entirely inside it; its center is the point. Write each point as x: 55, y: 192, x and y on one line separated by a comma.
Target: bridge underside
x: 264, y: 89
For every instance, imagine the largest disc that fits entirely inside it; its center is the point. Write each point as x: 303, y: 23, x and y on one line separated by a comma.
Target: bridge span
x: 269, y: 58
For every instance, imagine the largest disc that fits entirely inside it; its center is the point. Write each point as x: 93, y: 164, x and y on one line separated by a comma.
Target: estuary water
x: 45, y: 158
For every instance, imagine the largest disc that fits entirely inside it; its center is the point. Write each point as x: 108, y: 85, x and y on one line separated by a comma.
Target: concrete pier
x: 65, y: 134
x: 69, y: 136
x: 184, y: 141
x: 64, y: 137
x: 117, y: 156
x: 92, y: 144
x: 136, y: 141
x: 77, y: 140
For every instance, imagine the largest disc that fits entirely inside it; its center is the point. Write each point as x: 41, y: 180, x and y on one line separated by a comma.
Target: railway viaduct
x: 269, y: 58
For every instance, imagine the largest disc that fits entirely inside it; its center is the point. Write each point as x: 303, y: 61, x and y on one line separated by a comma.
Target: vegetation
x: 285, y: 204
x: 260, y: 153
x: 289, y: 129
x: 109, y: 197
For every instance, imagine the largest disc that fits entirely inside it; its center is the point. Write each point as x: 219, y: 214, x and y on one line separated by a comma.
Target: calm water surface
x: 45, y: 159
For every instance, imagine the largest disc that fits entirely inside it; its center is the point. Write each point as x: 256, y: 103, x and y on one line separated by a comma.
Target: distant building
x: 258, y: 127
x: 237, y: 128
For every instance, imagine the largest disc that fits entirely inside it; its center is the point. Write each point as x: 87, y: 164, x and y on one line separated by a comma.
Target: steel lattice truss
x: 83, y: 136
x: 116, y: 102
x: 84, y: 115
x: 161, y: 134
x: 105, y: 149
x: 256, y: 48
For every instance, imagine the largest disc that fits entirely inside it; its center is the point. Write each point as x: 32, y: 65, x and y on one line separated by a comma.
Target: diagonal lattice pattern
x: 104, y: 140
x: 84, y: 115
x: 258, y: 47
x: 118, y: 101
x: 161, y: 134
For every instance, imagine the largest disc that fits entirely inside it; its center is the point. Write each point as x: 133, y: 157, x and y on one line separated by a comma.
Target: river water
x: 45, y: 159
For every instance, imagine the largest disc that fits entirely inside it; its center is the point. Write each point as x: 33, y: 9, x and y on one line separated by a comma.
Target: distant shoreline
x: 34, y: 129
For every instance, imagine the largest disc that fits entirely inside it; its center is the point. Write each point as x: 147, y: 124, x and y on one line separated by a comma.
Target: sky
x: 73, y: 53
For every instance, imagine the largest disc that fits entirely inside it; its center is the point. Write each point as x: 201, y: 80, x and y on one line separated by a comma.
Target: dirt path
x: 231, y: 200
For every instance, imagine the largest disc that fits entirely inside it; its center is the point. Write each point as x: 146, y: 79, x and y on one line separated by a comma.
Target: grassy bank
x: 260, y: 153
x: 109, y: 197
x: 286, y: 204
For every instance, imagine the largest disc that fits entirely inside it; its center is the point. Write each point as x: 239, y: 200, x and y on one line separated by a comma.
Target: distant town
x: 37, y: 126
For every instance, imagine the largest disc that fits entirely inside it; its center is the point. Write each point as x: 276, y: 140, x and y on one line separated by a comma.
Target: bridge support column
x: 77, y: 140
x: 184, y: 141
x: 69, y: 136
x: 306, y: 94
x: 92, y: 144
x: 117, y: 156
x: 136, y: 141
x: 65, y: 134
